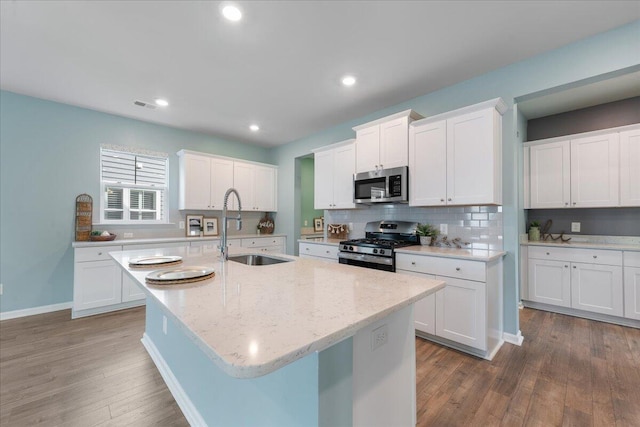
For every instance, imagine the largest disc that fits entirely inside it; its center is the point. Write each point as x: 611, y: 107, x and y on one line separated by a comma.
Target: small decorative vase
x: 425, y: 240
x: 534, y: 234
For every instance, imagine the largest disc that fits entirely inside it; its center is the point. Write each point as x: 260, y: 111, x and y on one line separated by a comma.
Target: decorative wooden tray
x: 108, y: 238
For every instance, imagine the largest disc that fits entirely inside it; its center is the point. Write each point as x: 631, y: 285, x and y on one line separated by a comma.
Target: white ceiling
x: 280, y: 66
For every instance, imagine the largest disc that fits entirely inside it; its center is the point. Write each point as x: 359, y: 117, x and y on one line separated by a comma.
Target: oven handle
x: 366, y: 258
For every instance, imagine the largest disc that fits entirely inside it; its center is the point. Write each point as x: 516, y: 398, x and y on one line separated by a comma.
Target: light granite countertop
x: 119, y: 242
x: 618, y: 243
x: 470, y: 254
x: 321, y: 241
x: 253, y: 320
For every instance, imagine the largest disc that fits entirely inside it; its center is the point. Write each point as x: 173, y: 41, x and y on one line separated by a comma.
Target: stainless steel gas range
x: 377, y: 249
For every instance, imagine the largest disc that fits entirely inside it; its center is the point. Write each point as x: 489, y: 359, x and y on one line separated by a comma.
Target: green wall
x: 49, y: 153
x: 306, y: 193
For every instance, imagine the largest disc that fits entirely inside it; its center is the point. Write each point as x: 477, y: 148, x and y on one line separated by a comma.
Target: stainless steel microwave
x: 381, y: 186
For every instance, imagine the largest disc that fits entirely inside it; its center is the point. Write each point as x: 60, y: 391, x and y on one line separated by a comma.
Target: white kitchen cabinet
x: 383, y: 143
x: 630, y: 168
x: 455, y: 158
x: 319, y: 251
x: 589, y: 280
x: 257, y: 186
x: 203, y: 180
x: 632, y: 285
x: 550, y: 175
x: 333, y: 176
x: 265, y: 244
x: 595, y: 171
x: 589, y: 170
x: 550, y: 282
x: 467, y: 313
x: 96, y: 284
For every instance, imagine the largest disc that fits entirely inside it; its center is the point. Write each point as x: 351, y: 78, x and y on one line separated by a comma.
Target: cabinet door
x: 394, y: 143
x: 368, y: 149
x: 221, y: 181
x: 597, y: 288
x: 550, y: 175
x: 550, y: 282
x: 243, y: 181
x: 461, y: 312
x: 131, y: 291
x: 427, y: 170
x: 595, y: 172
x: 96, y: 284
x: 195, y: 182
x: 630, y: 168
x: 344, y: 159
x: 424, y: 310
x: 265, y: 188
x: 632, y: 292
x: 473, y: 159
x: 323, y: 180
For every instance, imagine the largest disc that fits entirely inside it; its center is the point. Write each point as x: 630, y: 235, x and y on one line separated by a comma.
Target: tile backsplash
x: 481, y: 226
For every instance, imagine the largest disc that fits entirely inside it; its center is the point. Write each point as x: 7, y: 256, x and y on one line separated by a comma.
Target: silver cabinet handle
x: 306, y: 249
x: 595, y: 256
x: 574, y: 203
x: 566, y: 266
x: 326, y: 252
x: 457, y: 268
x: 442, y: 200
x: 574, y: 266
x: 547, y: 253
x: 99, y: 253
x: 449, y: 199
x: 566, y: 204
x: 413, y: 263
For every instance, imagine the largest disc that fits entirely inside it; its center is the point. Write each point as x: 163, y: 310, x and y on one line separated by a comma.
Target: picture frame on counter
x: 210, y: 226
x: 194, y: 225
x: 318, y: 224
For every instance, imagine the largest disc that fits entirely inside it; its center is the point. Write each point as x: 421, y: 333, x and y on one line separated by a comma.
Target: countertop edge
x: 585, y: 245
x: 329, y: 242
x: 491, y: 255
x: 124, y: 242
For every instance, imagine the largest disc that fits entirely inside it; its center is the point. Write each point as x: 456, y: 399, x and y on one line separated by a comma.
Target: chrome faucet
x: 224, y: 251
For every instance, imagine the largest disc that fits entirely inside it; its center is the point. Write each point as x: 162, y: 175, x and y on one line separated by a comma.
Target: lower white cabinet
x: 320, y: 251
x: 467, y: 313
x: 96, y: 284
x: 274, y: 245
x: 632, y: 285
x: 589, y: 280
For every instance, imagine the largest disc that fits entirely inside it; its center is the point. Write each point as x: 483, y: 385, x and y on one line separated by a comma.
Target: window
x: 134, y: 187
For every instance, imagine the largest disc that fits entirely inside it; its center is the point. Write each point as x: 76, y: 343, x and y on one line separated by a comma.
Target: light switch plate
x: 575, y: 227
x: 444, y: 229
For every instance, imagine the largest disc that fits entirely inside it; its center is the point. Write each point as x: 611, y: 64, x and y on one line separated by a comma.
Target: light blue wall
x: 607, y: 52
x: 307, y: 192
x: 49, y: 153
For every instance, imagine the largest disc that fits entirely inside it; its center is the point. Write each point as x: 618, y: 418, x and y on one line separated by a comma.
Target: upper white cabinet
x: 383, y: 143
x: 204, y: 179
x: 630, y: 168
x: 596, y: 169
x: 455, y: 158
x: 256, y: 185
x: 333, y: 176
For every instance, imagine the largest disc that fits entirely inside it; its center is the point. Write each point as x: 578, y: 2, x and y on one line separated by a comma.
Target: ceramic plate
x: 182, y: 273
x: 153, y: 260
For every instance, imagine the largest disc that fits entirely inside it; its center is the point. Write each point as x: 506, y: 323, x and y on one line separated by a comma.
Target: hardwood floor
x: 94, y: 371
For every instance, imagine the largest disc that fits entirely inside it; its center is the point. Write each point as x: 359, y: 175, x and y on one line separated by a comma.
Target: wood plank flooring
x: 95, y: 372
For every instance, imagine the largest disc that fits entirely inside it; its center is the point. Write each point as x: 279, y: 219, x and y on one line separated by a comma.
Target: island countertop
x: 253, y: 320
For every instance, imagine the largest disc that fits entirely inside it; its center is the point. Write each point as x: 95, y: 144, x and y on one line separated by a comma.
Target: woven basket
x: 84, y: 212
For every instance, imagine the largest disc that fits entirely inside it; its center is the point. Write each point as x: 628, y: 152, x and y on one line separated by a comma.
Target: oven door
x: 367, y: 261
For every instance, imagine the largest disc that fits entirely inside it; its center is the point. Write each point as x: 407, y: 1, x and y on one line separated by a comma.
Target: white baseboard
x: 516, y: 339
x: 5, y: 315
x: 182, y: 399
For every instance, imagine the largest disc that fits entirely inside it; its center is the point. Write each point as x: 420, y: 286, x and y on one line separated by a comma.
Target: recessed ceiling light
x: 232, y: 13
x: 254, y: 128
x: 348, y: 80
x: 162, y: 102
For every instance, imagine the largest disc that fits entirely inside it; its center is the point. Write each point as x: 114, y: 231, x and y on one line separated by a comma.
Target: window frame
x: 162, y: 192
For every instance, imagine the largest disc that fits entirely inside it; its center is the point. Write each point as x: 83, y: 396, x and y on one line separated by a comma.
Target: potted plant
x: 534, y: 231
x: 426, y: 232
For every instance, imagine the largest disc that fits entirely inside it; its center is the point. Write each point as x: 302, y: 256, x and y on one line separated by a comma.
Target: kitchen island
x: 296, y: 343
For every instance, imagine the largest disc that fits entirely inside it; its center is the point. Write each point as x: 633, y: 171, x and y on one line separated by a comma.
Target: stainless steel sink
x: 252, y: 259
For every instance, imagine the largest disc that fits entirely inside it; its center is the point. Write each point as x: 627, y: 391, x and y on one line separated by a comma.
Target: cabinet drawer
x: 450, y: 267
x: 631, y: 259
x: 96, y: 253
x: 261, y: 242
x: 323, y: 251
x: 593, y: 256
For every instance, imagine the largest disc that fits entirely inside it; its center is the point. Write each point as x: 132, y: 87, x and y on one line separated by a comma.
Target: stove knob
x: 350, y: 248
x: 375, y: 251
x: 381, y: 251
x: 345, y: 247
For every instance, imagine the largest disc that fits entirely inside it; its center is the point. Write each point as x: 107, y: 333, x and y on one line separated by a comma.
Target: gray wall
x: 596, y: 222
x: 612, y: 114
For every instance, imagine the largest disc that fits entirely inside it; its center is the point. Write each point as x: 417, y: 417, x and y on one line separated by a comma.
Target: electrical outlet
x: 164, y: 325
x: 128, y: 235
x: 444, y: 229
x: 306, y: 223
x: 181, y: 225
x: 575, y: 227
x: 379, y: 337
